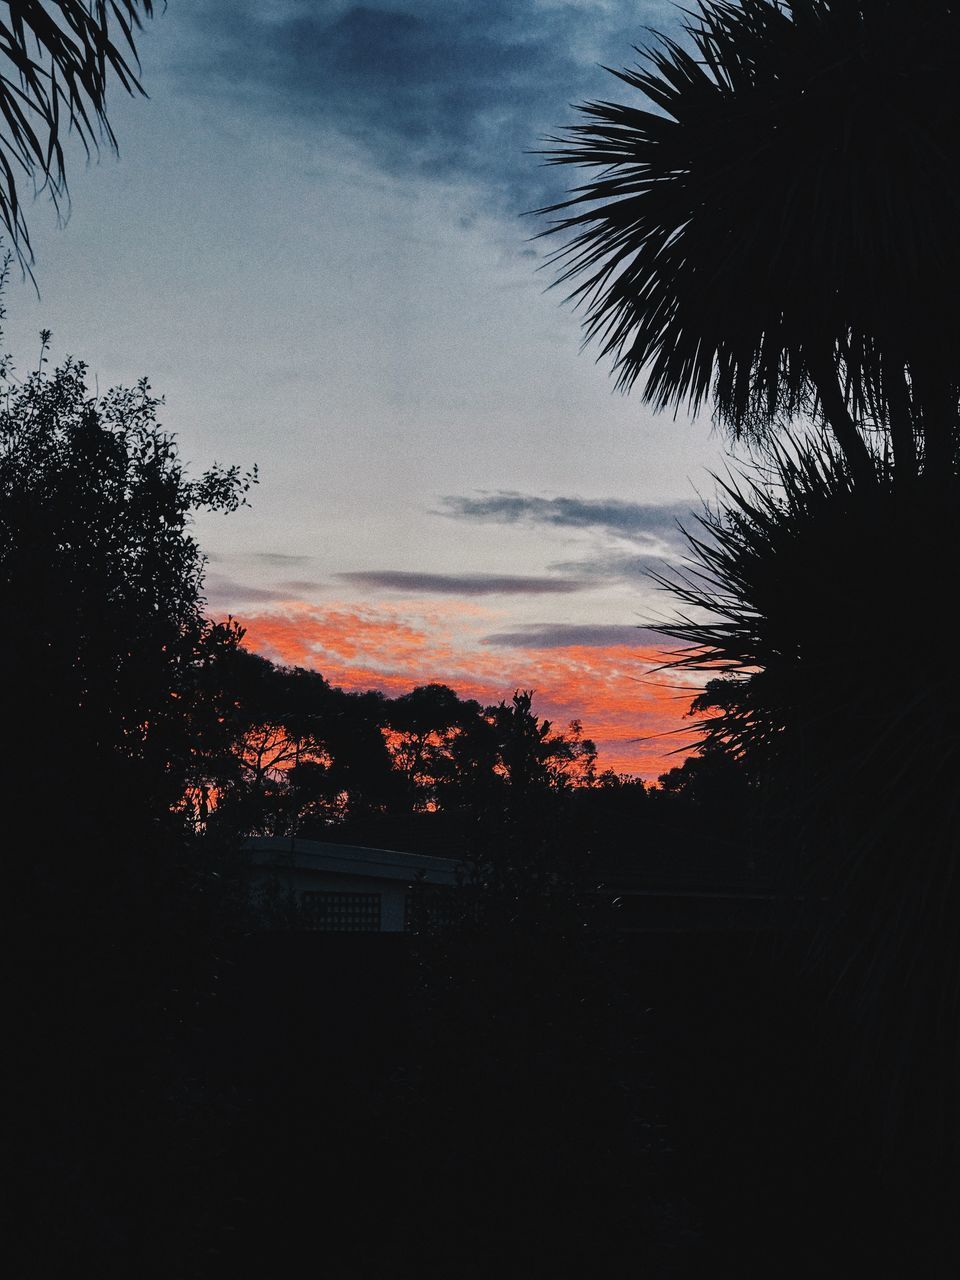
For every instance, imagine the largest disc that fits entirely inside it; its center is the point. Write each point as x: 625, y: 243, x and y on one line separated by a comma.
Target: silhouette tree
x: 520, y: 839
x: 361, y: 767
x: 283, y: 762
x: 106, y: 687
x: 531, y: 756
x: 423, y: 725
x: 776, y: 230
x: 296, y: 754
x: 56, y: 62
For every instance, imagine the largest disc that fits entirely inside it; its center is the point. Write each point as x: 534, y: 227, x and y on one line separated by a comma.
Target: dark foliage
x: 110, y: 695
x: 844, y: 716
x: 304, y: 755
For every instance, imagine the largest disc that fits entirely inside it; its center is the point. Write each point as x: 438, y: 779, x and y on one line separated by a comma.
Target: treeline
x: 432, y: 772
x: 303, y: 756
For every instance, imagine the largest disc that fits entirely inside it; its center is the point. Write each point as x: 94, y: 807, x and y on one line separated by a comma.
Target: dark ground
x: 378, y: 1106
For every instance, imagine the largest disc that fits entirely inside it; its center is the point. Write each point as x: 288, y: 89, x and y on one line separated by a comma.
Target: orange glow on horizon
x: 636, y: 715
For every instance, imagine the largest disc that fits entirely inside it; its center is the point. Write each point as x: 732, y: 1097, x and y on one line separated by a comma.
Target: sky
x: 315, y: 244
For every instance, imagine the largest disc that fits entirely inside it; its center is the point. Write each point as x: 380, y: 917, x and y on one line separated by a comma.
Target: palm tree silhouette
x: 56, y: 61
x: 777, y: 229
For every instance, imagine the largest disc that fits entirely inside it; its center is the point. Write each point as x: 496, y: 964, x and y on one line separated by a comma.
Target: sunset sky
x: 312, y: 244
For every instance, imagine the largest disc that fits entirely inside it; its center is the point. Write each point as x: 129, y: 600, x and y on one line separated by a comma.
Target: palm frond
x: 787, y: 198
x: 56, y: 61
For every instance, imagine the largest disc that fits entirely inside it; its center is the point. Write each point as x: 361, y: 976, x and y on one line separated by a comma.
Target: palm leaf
x: 59, y: 60
x: 784, y: 209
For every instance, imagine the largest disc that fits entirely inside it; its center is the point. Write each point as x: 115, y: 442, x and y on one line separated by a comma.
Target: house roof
x: 346, y: 859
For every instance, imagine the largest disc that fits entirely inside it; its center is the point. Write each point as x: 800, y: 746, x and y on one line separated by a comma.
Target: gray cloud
x: 220, y: 590
x: 223, y: 591
x: 615, y: 566
x: 562, y: 635
x: 435, y: 88
x: 465, y: 584
x: 279, y: 559
x: 638, y: 521
x: 300, y: 586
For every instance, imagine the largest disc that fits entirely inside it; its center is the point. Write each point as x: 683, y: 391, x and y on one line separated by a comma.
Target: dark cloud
x: 224, y: 592
x: 436, y: 88
x: 464, y: 584
x: 641, y: 521
x: 564, y: 635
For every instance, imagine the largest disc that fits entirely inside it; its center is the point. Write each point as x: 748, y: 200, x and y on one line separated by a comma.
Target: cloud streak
x: 615, y: 566
x: 224, y: 592
x: 279, y: 559
x: 463, y: 584
x: 569, y: 635
x: 642, y: 522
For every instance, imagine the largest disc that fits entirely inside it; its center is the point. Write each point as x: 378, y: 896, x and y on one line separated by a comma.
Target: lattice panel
x: 342, y: 912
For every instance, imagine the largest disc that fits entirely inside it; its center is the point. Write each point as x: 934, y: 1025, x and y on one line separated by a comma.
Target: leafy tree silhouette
x: 421, y: 770
x: 107, y: 688
x: 112, y: 706
x: 424, y: 725
x: 300, y: 756
x: 57, y: 63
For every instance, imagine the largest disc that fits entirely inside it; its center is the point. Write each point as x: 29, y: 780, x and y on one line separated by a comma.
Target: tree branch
x: 834, y: 406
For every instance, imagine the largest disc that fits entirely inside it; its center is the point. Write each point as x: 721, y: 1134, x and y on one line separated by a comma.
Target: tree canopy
x: 107, y: 649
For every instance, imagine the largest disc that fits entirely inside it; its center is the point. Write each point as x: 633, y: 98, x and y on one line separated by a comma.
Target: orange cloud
x: 635, y: 714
